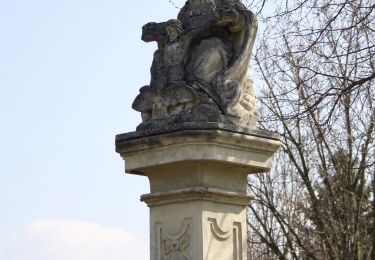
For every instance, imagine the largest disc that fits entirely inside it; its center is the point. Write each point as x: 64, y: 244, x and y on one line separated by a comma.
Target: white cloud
x: 62, y: 239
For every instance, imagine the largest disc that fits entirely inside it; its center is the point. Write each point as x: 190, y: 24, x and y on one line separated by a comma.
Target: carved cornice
x: 250, y: 150
x: 201, y: 126
x: 196, y: 193
x: 219, y: 137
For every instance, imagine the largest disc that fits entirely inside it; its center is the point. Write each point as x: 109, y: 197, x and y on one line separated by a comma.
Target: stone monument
x: 198, y: 139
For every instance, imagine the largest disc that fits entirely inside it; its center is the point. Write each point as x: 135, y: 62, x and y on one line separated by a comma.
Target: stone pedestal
x: 198, y: 183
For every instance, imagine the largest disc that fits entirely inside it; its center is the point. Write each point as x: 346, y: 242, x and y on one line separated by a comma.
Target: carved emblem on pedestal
x: 174, y: 246
x: 175, y: 249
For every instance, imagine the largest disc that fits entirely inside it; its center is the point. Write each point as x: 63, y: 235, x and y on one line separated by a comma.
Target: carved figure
x: 199, y: 71
x: 168, y: 64
x: 167, y: 93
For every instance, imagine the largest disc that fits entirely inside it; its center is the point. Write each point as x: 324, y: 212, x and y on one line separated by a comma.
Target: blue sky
x: 69, y: 71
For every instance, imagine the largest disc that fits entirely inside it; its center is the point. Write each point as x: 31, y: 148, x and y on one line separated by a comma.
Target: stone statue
x: 199, y: 71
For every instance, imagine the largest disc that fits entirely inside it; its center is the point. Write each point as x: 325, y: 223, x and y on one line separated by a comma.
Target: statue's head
x: 154, y: 32
x: 162, y: 33
x: 199, y: 7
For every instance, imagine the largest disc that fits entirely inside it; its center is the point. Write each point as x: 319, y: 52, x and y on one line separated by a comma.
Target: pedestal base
x: 198, y: 230
x: 198, y: 183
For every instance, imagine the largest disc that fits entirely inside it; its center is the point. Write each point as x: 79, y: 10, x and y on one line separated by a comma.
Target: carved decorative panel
x: 174, y: 246
x: 226, y: 243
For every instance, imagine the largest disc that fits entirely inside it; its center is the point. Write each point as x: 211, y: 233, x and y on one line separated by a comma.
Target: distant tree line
x: 315, y: 60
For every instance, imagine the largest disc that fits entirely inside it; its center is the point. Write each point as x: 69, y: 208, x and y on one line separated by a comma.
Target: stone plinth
x: 198, y: 183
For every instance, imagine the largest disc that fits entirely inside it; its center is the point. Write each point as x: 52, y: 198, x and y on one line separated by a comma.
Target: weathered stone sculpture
x: 197, y: 141
x: 199, y: 71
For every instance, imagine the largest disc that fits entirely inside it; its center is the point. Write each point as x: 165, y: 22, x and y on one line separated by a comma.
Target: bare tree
x: 316, y: 61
